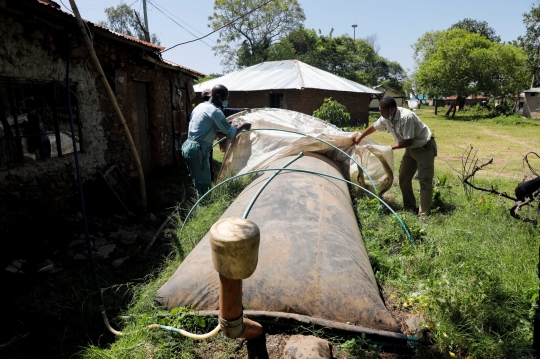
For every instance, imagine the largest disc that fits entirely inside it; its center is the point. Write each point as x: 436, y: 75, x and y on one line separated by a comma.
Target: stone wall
x: 305, y: 101
x: 35, y: 47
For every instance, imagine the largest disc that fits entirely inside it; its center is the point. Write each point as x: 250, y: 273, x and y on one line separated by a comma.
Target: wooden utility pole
x: 147, y: 32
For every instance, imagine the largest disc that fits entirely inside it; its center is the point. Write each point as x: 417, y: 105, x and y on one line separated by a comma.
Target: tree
x: 426, y: 46
x: 464, y: 63
x: 246, y: 41
x: 125, y: 20
x: 355, y: 60
x: 373, y: 40
x: 530, y: 43
x: 477, y: 27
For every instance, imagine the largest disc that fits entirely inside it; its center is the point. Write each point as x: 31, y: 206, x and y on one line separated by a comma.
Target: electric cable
x: 232, y: 22
x: 158, y: 9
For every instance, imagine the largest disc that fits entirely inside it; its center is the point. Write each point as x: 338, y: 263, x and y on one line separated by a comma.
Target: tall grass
x: 472, y: 275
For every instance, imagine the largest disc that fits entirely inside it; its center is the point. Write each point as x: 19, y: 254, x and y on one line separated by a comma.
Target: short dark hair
x: 220, y: 90
x: 387, y: 102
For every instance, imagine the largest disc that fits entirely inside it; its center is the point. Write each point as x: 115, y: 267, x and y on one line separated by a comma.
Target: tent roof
x: 281, y: 75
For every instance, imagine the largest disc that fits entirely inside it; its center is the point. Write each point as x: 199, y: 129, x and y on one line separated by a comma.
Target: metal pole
x: 147, y: 34
x: 354, y: 31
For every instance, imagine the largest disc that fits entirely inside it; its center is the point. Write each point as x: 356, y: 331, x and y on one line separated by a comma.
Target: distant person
x: 37, y: 140
x: 227, y: 111
x: 420, y: 151
x: 206, y: 119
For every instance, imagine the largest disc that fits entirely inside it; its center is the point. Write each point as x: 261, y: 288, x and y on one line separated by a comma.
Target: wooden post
x: 108, y: 89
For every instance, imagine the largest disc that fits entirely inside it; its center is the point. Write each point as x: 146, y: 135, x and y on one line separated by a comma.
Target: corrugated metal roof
x: 281, y: 75
x: 534, y: 89
x: 55, y: 6
x: 183, y: 67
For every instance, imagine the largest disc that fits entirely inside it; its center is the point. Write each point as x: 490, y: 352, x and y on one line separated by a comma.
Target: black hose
x: 81, y: 195
x: 79, y: 179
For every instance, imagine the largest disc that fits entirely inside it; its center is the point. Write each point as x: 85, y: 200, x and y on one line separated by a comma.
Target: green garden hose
x: 304, y: 171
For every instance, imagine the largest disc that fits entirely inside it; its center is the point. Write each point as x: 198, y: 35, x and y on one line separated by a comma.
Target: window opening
x: 276, y: 100
x: 34, y: 121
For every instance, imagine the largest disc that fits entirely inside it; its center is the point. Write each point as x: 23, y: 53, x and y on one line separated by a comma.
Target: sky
x: 397, y: 24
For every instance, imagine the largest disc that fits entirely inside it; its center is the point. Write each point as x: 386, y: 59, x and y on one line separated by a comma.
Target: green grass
x: 471, y: 273
x: 140, y: 342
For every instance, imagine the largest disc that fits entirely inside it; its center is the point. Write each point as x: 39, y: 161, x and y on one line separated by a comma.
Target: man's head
x: 206, y: 94
x: 220, y: 96
x: 388, y: 107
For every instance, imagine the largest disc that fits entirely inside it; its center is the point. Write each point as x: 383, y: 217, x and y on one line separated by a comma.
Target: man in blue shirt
x: 206, y: 119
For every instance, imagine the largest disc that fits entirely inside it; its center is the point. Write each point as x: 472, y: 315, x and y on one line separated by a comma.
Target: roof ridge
x: 299, y: 72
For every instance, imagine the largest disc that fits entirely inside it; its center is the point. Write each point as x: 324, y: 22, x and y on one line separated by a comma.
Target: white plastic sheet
x: 263, y: 144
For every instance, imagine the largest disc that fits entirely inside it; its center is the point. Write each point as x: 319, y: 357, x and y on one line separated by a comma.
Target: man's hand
x: 357, y: 139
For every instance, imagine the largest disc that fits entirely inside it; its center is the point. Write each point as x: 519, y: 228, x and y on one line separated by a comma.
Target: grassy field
x: 469, y: 272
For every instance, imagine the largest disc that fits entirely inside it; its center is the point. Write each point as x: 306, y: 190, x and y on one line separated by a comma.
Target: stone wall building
x: 37, y: 170
x: 292, y: 85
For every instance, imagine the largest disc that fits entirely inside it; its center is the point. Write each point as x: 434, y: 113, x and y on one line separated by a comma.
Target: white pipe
x: 185, y: 333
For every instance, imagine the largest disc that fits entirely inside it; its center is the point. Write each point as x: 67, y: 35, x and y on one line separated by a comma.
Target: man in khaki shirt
x: 410, y: 133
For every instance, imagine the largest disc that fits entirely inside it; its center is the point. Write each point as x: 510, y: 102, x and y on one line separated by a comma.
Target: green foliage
x: 477, y: 27
x: 185, y: 318
x: 246, y: 41
x: 360, y: 348
x: 208, y: 78
x: 333, y: 112
x: 530, y: 43
x: 125, y: 20
x: 472, y: 274
x: 463, y: 63
x: 355, y: 60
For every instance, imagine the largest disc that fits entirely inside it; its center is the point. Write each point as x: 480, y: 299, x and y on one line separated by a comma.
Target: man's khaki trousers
x: 421, y: 159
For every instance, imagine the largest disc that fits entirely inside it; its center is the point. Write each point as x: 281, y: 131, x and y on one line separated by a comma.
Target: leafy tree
x: 333, y: 112
x: 476, y: 27
x: 246, y: 41
x: 373, y: 40
x: 208, y: 78
x: 355, y: 60
x: 464, y: 63
x: 125, y: 20
x: 530, y: 43
x: 426, y: 46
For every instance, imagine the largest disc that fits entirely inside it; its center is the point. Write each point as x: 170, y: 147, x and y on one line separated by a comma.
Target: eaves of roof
x: 101, y: 29
x: 126, y: 39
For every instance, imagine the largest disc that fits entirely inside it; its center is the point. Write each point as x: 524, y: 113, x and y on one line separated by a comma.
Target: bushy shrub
x: 333, y: 112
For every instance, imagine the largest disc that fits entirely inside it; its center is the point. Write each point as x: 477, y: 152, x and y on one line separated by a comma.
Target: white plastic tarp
x: 255, y: 149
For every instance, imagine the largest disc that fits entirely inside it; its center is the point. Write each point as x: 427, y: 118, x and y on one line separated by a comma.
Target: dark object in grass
x: 527, y: 189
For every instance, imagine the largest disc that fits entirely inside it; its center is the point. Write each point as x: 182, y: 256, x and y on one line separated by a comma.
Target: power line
x: 158, y: 9
x: 173, y: 15
x: 238, y: 18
